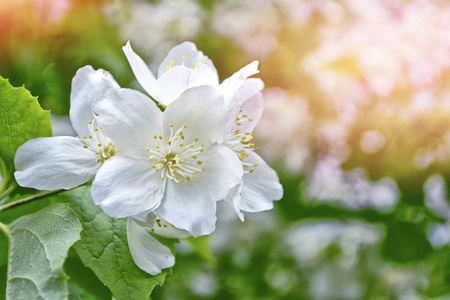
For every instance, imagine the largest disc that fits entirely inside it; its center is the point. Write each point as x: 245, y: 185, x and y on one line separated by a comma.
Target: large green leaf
x: 38, y: 247
x: 21, y: 119
x: 103, y: 247
x: 83, y: 283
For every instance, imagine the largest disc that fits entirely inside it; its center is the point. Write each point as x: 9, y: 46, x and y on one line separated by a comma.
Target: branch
x: 20, y: 201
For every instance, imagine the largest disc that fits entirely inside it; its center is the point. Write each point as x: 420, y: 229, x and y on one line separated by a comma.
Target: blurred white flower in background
x: 351, y: 189
x: 339, y: 257
x: 436, y: 200
x: 155, y: 26
x: 331, y: 251
x: 308, y: 241
x: 253, y: 26
x: 284, y: 130
x: 353, y: 61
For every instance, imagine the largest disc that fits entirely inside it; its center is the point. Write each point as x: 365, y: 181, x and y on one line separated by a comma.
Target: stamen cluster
x: 241, y: 142
x: 176, y: 159
x: 98, y: 143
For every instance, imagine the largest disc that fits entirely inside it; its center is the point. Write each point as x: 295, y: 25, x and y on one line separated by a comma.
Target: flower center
x: 176, y: 159
x: 241, y: 142
x: 98, y: 143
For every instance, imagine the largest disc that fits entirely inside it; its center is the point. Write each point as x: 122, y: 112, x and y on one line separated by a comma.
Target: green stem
x: 20, y: 201
x: 5, y: 193
x: 5, y: 229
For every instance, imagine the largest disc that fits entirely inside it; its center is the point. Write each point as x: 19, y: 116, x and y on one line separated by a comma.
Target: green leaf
x: 3, y: 263
x: 83, y: 283
x: 21, y: 119
x: 103, y: 247
x: 38, y: 248
x: 200, y: 245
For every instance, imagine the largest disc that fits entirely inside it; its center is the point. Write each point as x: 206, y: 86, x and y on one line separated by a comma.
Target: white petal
x: 175, y: 81
x: 253, y: 108
x: 140, y: 69
x: 223, y: 171
x: 147, y: 252
x: 126, y: 187
x: 130, y: 119
x: 87, y: 85
x: 261, y: 187
x: 145, y: 219
x: 250, y: 102
x: 192, y: 56
x: 234, y: 199
x: 54, y: 163
x: 163, y: 228
x: 189, y: 205
x: 203, y: 111
x: 251, y: 87
x: 233, y: 84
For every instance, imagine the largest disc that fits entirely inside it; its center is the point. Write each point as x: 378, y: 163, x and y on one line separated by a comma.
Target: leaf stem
x: 23, y: 200
x: 5, y: 229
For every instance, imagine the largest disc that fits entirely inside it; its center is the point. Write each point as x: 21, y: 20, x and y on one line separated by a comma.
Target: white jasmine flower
x: 64, y: 162
x: 170, y: 162
x: 184, y: 67
x: 260, y: 186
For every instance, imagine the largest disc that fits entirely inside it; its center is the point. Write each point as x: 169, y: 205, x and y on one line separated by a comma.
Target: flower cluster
x: 164, y: 170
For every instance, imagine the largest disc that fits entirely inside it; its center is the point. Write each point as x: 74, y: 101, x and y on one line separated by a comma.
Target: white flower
x: 184, y: 67
x: 260, y: 186
x: 64, y: 162
x: 170, y: 162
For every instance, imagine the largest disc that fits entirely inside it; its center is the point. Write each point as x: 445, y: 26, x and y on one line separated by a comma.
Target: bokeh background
x: 356, y: 123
